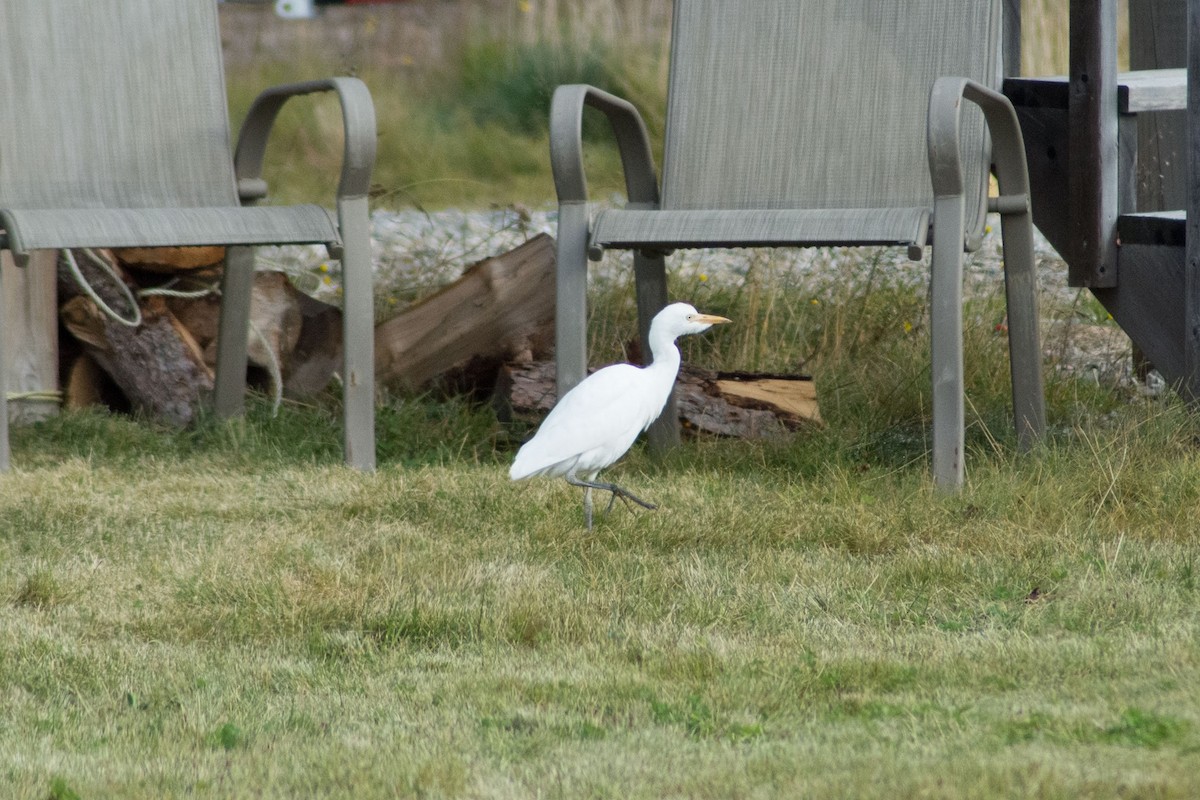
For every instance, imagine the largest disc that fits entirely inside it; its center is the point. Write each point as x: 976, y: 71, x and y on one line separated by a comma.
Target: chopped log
x: 317, y: 352
x: 290, y: 331
x: 795, y: 396
x: 86, y: 384
x: 170, y: 260
x: 158, y: 366
x: 736, y: 404
x: 499, y: 308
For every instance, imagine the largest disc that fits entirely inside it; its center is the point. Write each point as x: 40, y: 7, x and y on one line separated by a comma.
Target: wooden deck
x: 1114, y: 188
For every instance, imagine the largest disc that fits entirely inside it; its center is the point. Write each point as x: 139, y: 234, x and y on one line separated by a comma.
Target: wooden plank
x: 1148, y: 307
x: 1152, y: 90
x: 1164, y: 228
x: 1138, y: 91
x: 1046, y: 152
x: 1092, y: 113
x: 30, y: 335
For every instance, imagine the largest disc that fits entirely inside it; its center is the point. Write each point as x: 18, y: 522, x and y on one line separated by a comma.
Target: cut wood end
x: 794, y: 396
x: 170, y: 259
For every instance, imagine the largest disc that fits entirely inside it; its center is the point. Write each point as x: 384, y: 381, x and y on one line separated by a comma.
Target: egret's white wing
x: 606, y: 411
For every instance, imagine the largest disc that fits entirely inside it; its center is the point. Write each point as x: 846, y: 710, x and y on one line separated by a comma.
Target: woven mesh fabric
x: 819, y: 104
x: 113, y: 103
x: 152, y: 227
x: 760, y: 227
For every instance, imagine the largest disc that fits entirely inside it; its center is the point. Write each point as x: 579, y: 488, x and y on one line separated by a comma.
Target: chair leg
x: 570, y: 320
x: 1024, y: 342
x: 358, y: 326
x: 233, y: 332
x: 4, y: 454
x: 650, y: 280
x: 946, y: 346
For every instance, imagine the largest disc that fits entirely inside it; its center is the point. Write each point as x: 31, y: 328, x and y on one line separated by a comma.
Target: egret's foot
x: 614, y: 491
x: 625, y: 496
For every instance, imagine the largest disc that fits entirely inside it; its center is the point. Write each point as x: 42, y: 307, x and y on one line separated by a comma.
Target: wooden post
x: 30, y: 335
x: 1092, y: 114
x: 1012, y: 38
x: 1191, y: 278
x: 1158, y: 40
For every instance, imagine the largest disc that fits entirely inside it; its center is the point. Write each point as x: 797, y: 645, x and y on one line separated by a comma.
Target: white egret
x: 595, y: 423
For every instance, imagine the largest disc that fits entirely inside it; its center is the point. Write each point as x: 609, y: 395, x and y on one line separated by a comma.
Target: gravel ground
x: 416, y: 252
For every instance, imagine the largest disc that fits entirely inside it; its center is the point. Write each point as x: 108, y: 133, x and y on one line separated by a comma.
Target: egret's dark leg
x: 587, y: 507
x: 616, y: 491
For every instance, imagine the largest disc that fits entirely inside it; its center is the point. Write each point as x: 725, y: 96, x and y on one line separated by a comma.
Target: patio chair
x: 816, y: 123
x: 114, y: 132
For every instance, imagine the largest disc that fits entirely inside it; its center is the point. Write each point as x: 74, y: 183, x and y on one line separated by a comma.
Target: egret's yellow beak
x: 710, y: 319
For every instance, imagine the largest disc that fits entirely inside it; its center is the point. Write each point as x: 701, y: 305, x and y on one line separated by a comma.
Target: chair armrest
x: 358, y: 121
x: 1008, y: 148
x: 566, y: 144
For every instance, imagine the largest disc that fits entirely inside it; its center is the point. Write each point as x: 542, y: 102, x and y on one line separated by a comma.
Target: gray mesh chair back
x: 114, y: 132
x: 815, y: 122
x: 778, y: 104
x: 130, y: 115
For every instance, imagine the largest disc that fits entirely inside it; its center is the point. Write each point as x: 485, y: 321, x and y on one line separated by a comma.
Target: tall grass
x: 463, y: 107
x: 462, y: 89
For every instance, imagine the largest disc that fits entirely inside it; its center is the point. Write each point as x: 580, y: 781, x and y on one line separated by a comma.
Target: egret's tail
x: 524, y: 465
x: 532, y: 459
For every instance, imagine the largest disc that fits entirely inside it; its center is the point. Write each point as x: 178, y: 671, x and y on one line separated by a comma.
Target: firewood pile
x: 142, y: 327
x: 143, y: 337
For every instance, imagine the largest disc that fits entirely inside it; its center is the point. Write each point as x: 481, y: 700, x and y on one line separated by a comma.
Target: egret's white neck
x: 665, y: 354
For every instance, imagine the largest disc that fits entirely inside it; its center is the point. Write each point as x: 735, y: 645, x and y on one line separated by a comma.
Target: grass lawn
x: 230, y: 613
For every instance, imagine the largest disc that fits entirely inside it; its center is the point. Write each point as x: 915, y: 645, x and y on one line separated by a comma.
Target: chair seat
x: 640, y: 228
x: 153, y: 227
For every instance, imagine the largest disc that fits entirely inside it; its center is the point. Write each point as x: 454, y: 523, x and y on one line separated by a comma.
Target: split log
x: 86, y: 384
x: 170, y: 260
x: 737, y: 404
x: 500, y: 308
x: 157, y: 365
x: 317, y: 352
x: 278, y: 313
